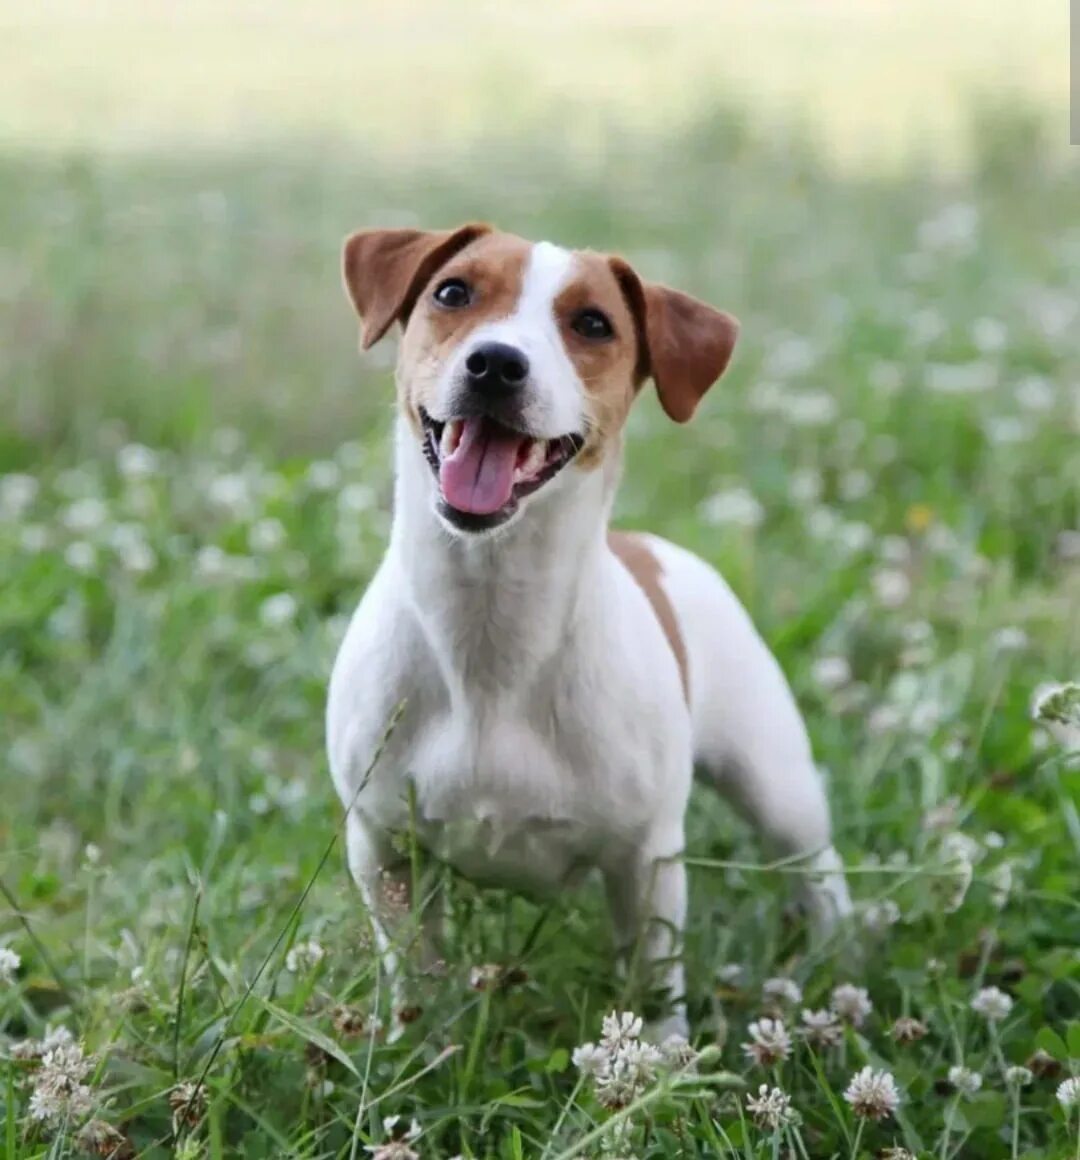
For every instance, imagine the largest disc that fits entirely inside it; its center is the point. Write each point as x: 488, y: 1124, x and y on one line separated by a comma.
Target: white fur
x: 545, y: 731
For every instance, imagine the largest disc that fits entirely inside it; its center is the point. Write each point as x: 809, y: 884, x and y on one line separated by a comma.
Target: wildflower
x: 355, y: 498
x: 678, y: 1054
x: 485, y: 977
x: 102, y: 1139
x: 1018, y: 1077
x: 303, y: 956
x: 1009, y: 639
x: 831, y: 673
x: 729, y: 974
x: 136, y: 461
x: 1068, y: 1093
x: 323, y: 475
x: 9, y: 964
x: 966, y: 1081
x: 737, y: 507
x: 771, y: 1108
x: 992, y: 1004
x: 278, y: 610
x: 80, y: 556
x: 1000, y: 881
x: 620, y: 1066
x: 873, y: 1095
x: 908, y: 1030
x: 891, y: 587
x: 896, y: 1153
x: 782, y: 990
x: 85, y: 515
x: 879, y: 916
x: 397, y: 1146
x: 59, y: 1092
x: 266, y: 535
x: 769, y: 1042
x: 851, y: 1003
x: 821, y: 1028
x: 348, y: 1021
x: 1058, y: 708
x: 188, y: 1103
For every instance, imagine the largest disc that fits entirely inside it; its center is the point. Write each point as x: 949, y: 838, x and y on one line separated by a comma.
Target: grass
x: 890, y: 478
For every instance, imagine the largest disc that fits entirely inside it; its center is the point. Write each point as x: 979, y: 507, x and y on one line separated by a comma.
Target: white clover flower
x: 278, y: 610
x: 1018, y: 1077
x: 136, y: 461
x: 323, y: 475
x: 831, y: 672
x: 9, y: 964
x: 621, y: 1067
x: 782, y: 989
x: 855, y: 485
x: 1068, y: 1093
x: 17, y: 493
x: 851, y: 1003
x: 821, y: 1028
x: 355, y: 498
x: 303, y: 956
x: 966, y: 1081
x: 1058, y: 708
x: 769, y: 1042
x: 1009, y: 639
x: 879, y: 916
x: 232, y: 493
x: 805, y: 486
x: 891, y: 587
x: 873, y: 1095
x: 266, y: 535
x: 729, y: 973
x: 85, y: 515
x: 59, y: 1092
x: 810, y: 409
x: 678, y: 1054
x: 188, y: 1103
x: 770, y: 1108
x: 81, y: 556
x: 992, y: 1004
x: 736, y: 506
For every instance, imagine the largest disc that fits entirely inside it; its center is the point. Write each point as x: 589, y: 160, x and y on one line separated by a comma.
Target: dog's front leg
x: 402, y: 923
x: 647, y: 895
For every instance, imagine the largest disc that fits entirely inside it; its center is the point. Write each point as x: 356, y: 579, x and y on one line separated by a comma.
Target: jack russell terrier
x: 559, y: 682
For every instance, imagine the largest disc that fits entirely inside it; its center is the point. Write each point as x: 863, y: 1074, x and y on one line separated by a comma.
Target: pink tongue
x: 479, y: 476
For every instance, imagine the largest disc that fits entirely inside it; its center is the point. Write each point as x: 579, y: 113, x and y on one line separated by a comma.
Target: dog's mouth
x: 485, y: 468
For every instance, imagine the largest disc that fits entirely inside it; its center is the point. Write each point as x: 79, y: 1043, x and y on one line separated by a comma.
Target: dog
x: 558, y: 683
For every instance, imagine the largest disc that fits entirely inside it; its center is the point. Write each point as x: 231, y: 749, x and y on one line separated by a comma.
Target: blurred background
x: 176, y: 178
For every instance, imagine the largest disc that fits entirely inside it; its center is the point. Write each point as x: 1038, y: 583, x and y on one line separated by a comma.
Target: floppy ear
x: 385, y: 270
x: 684, y: 344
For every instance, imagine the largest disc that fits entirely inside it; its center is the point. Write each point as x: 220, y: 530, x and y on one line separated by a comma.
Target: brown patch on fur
x: 685, y: 344
x: 385, y: 270
x: 494, y: 267
x: 606, y: 369
x: 645, y: 568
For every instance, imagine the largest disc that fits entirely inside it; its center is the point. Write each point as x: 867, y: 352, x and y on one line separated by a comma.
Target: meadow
x: 194, y: 488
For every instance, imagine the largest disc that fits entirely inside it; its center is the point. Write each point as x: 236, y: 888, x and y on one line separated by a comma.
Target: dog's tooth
x: 451, y: 437
x: 537, y: 456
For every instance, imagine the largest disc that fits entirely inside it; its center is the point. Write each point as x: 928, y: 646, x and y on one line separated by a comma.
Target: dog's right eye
x: 453, y: 294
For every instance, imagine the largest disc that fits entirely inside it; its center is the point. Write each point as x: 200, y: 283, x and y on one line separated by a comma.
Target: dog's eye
x: 453, y: 293
x: 592, y: 324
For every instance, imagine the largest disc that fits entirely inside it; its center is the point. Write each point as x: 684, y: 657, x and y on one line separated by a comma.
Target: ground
x: 195, y: 489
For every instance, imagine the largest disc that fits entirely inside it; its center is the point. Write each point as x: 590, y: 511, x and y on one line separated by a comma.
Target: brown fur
x: 645, y: 568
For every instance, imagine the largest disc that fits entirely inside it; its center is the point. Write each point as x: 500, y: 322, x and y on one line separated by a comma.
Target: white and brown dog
x: 560, y: 682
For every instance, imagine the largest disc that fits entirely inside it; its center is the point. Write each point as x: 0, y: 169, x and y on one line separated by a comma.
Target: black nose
x: 496, y: 368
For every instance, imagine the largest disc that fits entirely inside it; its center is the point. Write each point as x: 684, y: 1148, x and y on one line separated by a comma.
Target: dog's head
x: 520, y: 361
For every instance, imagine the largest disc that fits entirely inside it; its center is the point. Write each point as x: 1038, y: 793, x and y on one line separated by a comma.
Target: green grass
x: 904, y: 411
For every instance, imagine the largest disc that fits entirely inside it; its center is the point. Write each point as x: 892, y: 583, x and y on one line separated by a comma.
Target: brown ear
x: 385, y: 271
x: 684, y: 344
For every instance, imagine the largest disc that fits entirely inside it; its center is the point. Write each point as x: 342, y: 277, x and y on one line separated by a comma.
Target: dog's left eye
x: 453, y: 293
x: 593, y: 324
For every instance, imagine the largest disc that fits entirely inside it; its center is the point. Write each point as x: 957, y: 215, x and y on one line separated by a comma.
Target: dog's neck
x: 501, y: 603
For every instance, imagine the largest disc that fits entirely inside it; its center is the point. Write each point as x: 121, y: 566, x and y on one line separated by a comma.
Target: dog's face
x: 519, y: 361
